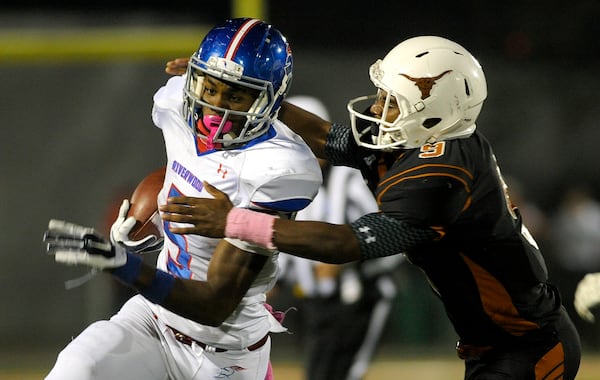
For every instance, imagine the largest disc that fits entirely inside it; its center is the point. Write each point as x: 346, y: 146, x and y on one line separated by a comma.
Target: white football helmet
x: 438, y: 86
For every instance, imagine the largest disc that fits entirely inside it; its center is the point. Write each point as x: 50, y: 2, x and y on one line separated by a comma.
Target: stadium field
x: 387, y: 368
x: 446, y: 368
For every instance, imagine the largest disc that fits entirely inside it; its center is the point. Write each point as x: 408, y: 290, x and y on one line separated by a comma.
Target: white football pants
x: 134, y: 345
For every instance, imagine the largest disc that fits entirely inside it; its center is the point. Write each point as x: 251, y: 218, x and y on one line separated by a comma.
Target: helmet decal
x: 239, y: 37
x: 425, y: 84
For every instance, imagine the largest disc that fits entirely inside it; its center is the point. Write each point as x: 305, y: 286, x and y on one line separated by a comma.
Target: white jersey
x: 276, y: 171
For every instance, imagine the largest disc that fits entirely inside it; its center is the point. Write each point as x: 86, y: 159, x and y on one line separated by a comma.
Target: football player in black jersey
x: 442, y: 202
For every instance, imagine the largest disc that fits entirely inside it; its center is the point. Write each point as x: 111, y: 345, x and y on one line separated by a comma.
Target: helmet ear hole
x: 431, y: 122
x: 467, y: 90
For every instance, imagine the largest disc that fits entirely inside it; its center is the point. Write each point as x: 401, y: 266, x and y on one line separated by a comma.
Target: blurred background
x: 76, y: 86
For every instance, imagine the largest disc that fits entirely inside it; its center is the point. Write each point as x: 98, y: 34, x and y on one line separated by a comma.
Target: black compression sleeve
x: 380, y: 235
x: 340, y: 147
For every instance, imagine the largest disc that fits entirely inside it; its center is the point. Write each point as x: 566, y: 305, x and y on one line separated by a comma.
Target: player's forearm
x: 366, y: 238
x: 183, y: 296
x: 325, y: 242
x: 194, y: 300
x: 330, y: 243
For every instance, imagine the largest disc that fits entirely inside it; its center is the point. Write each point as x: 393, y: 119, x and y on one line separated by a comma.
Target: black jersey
x: 486, y: 268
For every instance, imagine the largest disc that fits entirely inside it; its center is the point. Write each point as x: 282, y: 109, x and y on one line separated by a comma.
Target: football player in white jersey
x: 200, y: 312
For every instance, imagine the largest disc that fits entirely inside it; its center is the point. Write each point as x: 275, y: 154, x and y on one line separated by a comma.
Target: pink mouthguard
x: 212, y: 122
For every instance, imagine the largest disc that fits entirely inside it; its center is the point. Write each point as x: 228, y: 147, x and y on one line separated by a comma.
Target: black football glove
x: 73, y: 244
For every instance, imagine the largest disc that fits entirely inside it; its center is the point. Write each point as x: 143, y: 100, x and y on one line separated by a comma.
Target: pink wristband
x: 254, y: 227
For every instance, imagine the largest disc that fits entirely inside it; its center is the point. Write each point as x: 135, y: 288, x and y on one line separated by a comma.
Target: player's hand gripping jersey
x: 276, y: 173
x: 484, y: 265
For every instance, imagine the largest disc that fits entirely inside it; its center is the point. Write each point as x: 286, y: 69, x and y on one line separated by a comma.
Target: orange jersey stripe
x: 459, y: 168
x: 497, y: 303
x: 551, y: 365
x: 390, y: 185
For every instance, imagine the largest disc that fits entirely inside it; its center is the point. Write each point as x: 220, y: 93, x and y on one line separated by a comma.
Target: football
x: 144, y: 207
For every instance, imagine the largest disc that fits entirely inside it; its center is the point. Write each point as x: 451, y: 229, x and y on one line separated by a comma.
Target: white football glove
x: 73, y: 244
x: 587, y: 295
x: 119, y: 234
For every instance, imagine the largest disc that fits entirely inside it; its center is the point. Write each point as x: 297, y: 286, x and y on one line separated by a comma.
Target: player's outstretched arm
x: 312, y: 128
x: 587, y: 295
x: 371, y: 236
x: 218, y: 218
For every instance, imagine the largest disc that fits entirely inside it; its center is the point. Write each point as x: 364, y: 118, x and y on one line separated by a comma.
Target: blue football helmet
x: 244, y: 52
